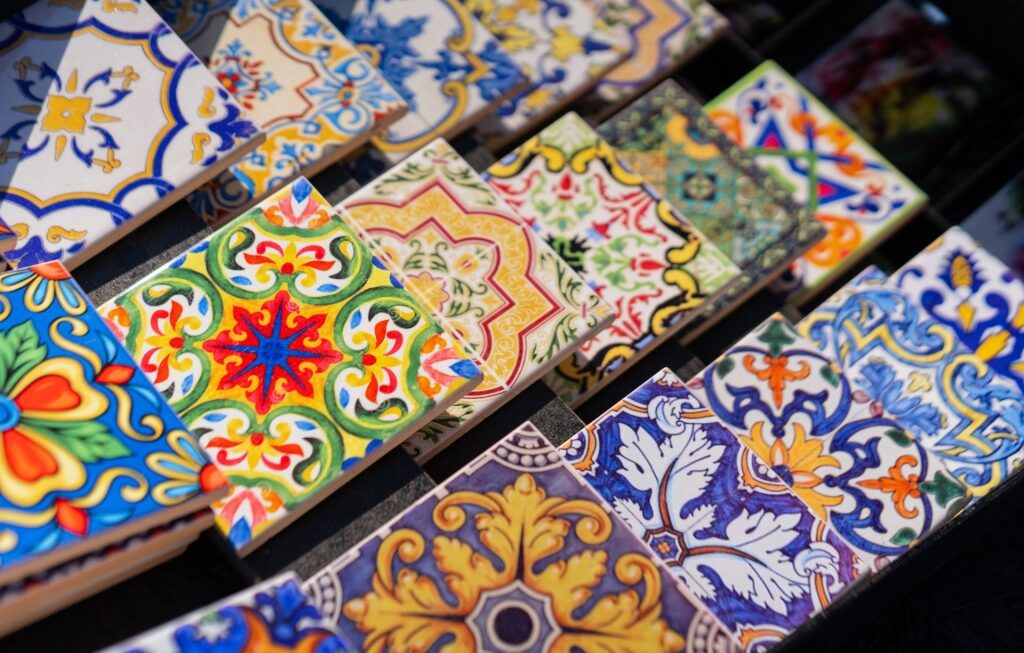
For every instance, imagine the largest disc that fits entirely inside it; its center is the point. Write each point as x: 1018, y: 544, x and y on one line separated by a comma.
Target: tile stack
x: 282, y: 355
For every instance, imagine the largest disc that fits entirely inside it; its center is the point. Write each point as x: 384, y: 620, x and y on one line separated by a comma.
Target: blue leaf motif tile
x: 724, y: 523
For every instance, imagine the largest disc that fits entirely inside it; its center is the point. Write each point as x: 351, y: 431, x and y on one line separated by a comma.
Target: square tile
x: 515, y: 549
x: 665, y: 138
x: 639, y: 254
x: 105, y: 98
x: 917, y: 371
x: 274, y: 615
x: 857, y: 195
x: 312, y: 92
x: 38, y: 596
x: 722, y: 521
x: 449, y: 69
x: 291, y: 352
x: 961, y: 285
x: 878, y: 487
x: 90, y: 452
x: 499, y: 289
x: 664, y: 35
x: 562, y: 47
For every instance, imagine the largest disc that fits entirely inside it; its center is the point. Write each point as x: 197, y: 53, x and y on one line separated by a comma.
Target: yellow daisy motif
x: 565, y: 44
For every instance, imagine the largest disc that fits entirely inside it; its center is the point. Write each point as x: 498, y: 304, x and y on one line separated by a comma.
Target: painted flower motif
x: 272, y: 351
x: 245, y: 511
x: 300, y: 208
x: 378, y: 360
x: 515, y: 569
x: 243, y: 75
x: 799, y: 465
x: 44, y: 283
x: 165, y: 341
x: 261, y: 447
x: 565, y: 44
x: 428, y: 289
x: 442, y: 366
x: 187, y: 469
x: 289, y: 260
x: 901, y: 487
x: 71, y: 113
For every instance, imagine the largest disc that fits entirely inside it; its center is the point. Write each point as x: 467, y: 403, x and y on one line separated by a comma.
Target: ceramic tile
x: 722, y: 521
x: 37, y: 596
x: 449, y: 69
x: 665, y: 138
x: 514, y: 552
x: 664, y: 34
x: 273, y: 616
x: 563, y: 47
x: 632, y: 247
x: 90, y: 452
x: 104, y: 97
x: 857, y: 195
x: 313, y: 93
x: 918, y: 372
x: 502, y: 292
x: 878, y: 487
x: 964, y: 287
x: 291, y: 353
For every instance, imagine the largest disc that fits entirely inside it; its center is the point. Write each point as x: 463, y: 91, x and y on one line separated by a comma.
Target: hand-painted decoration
x: 664, y: 34
x: 964, y: 287
x: 665, y: 138
x: 312, y: 92
x: 38, y: 596
x: 448, y: 68
x: 917, y: 370
x: 273, y: 616
x: 632, y: 247
x: 857, y: 195
x: 878, y: 487
x: 496, y: 287
x: 513, y: 553
x: 719, y: 517
x: 292, y: 354
x: 103, y: 97
x: 563, y: 47
x: 90, y: 452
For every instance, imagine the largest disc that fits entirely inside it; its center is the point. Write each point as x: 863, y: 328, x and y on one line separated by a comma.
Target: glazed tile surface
x: 722, y: 520
x: 312, y: 92
x: 90, y: 452
x: 665, y: 138
x: 449, y: 69
x: 105, y: 98
x: 501, y: 291
x: 273, y: 616
x: 964, y: 287
x: 917, y: 370
x: 664, y: 34
x: 563, y: 47
x: 632, y: 247
x: 878, y: 487
x: 857, y: 195
x: 292, y: 354
x: 515, y: 552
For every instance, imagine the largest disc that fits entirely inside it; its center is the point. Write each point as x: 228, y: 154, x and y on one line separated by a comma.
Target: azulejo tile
x: 664, y: 34
x: 877, y: 486
x: 917, y: 371
x: 563, y: 47
x: 501, y: 291
x: 513, y: 552
x: 90, y: 452
x: 665, y: 138
x: 274, y: 615
x: 852, y: 190
x: 292, y: 353
x: 719, y: 517
x: 449, y: 69
x: 632, y: 247
x: 312, y: 92
x: 964, y: 287
x: 105, y: 98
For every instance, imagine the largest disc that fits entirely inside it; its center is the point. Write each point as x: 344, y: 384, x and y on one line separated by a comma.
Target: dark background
x: 962, y: 589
